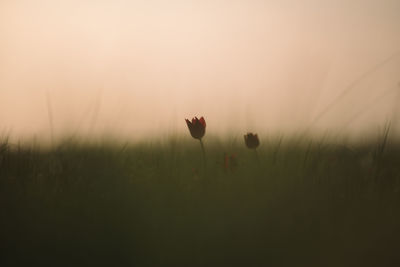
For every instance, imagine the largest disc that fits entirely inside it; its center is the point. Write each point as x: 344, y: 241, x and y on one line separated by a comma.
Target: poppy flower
x: 251, y: 140
x: 197, y: 127
x: 230, y: 162
x: 234, y: 162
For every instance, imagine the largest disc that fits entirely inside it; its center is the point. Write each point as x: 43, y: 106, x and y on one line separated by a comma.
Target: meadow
x: 301, y: 202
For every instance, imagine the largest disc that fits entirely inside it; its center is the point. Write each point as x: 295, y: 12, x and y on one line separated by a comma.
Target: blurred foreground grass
x: 306, y: 203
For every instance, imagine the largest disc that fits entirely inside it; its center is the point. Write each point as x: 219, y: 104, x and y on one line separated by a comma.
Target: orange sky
x: 138, y: 68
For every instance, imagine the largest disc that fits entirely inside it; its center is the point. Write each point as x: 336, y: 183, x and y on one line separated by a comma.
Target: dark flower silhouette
x: 251, y: 140
x: 197, y: 127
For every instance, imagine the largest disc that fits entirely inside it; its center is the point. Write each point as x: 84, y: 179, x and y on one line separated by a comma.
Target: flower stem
x: 204, y: 153
x: 258, y: 158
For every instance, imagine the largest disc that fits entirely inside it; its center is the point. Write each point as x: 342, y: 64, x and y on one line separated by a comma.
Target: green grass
x: 306, y: 203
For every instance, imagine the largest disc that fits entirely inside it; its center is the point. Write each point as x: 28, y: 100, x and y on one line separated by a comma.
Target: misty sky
x: 138, y: 68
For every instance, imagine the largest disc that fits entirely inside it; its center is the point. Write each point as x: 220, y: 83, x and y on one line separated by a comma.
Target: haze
x: 134, y: 69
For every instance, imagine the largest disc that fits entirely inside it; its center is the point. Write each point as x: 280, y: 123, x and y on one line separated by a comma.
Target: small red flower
x: 230, y: 162
x: 234, y: 162
x: 197, y: 127
x: 251, y: 140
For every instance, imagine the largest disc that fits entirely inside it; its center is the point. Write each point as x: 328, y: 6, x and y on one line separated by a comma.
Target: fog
x: 135, y: 69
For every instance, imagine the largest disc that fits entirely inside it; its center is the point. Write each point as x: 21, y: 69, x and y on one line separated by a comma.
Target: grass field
x: 303, y: 203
